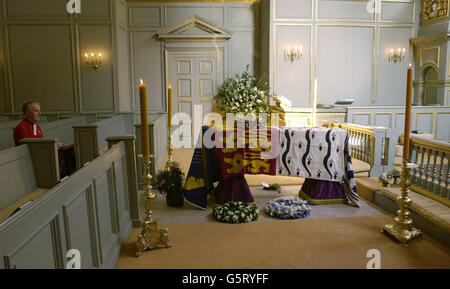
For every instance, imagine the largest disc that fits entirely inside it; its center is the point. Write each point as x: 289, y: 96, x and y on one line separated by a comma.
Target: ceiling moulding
x: 194, y: 27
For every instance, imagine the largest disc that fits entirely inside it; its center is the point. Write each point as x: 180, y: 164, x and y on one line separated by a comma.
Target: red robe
x: 26, y: 129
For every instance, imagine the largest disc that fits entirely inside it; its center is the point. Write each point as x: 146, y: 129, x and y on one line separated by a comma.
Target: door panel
x: 195, y: 76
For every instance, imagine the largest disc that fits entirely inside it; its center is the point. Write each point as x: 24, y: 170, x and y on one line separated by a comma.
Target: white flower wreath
x: 236, y: 212
x: 288, y: 208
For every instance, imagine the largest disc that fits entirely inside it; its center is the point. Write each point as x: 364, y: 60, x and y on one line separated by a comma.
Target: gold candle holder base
x: 403, y: 230
x: 151, y: 236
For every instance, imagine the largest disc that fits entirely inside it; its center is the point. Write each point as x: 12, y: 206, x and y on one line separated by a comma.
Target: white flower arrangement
x: 236, y: 212
x: 288, y: 208
x: 243, y: 93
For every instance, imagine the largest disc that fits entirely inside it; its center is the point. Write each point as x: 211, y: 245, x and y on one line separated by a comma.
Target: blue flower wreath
x: 288, y: 208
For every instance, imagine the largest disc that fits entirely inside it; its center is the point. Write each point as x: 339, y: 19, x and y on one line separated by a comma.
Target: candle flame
x: 170, y: 86
x: 142, y: 82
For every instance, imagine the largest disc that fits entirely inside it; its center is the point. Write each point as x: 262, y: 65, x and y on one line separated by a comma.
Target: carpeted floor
x: 333, y: 236
x: 301, y: 243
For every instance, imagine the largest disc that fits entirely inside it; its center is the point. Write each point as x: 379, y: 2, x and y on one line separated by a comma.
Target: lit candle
x: 144, y: 122
x: 409, y: 87
x: 99, y: 58
x: 169, y: 109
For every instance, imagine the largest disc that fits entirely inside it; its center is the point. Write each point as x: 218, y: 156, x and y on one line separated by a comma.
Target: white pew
x: 88, y: 211
x: 90, y: 140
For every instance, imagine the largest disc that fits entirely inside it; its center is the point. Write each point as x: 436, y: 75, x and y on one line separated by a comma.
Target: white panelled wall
x: 345, y: 46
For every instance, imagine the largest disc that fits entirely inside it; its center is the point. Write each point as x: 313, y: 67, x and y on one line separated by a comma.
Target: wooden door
x: 195, y: 76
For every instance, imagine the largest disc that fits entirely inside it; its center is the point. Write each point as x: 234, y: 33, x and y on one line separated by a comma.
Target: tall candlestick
x: 407, y: 113
x: 169, y: 110
x: 144, y: 122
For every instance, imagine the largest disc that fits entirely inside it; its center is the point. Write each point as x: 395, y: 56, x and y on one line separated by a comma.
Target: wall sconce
x: 92, y: 60
x: 397, y: 55
x: 293, y: 54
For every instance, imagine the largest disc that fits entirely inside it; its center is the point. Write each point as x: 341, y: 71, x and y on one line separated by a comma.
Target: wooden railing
x: 372, y: 145
x: 431, y: 177
x: 362, y: 141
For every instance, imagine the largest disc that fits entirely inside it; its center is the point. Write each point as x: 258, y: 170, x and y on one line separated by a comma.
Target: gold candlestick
x: 169, y: 121
x: 169, y: 146
x: 151, y: 236
x: 403, y: 230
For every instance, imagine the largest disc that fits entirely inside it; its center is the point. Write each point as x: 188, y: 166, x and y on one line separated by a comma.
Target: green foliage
x: 236, y: 212
x: 244, y: 94
x: 394, y: 174
x: 169, y: 180
x: 274, y: 187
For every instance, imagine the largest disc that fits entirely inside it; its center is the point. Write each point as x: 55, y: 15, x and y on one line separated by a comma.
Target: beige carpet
x: 301, y: 243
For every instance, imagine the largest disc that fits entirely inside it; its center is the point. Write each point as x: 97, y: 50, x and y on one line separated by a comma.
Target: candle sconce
x: 93, y: 60
x: 293, y: 54
x: 396, y: 55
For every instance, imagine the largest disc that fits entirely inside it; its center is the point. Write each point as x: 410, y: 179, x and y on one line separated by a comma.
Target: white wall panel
x: 391, y: 77
x: 384, y: 119
x: 177, y: 14
x: 296, y: 84
x: 345, y: 63
x: 3, y: 98
x: 344, y: 10
x: 243, y: 51
x: 424, y: 121
x: 397, y: 11
x: 146, y: 16
x: 95, y: 9
x: 147, y: 63
x: 293, y: 9
x: 36, y: 9
x: 242, y: 16
x: 123, y: 70
x: 442, y: 126
x: 42, y: 66
x: 97, y: 86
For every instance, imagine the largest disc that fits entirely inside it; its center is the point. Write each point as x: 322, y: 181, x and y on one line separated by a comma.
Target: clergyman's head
x: 31, y: 110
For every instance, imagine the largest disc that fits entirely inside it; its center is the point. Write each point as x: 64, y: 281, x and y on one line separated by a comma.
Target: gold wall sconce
x: 93, y: 60
x: 293, y: 53
x: 396, y: 55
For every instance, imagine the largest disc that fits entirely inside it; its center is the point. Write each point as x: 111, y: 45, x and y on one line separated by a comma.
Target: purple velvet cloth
x: 234, y: 189
x: 322, y: 190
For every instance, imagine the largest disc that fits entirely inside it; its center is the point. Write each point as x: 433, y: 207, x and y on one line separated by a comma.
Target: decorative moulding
x: 194, y: 27
x: 434, y: 9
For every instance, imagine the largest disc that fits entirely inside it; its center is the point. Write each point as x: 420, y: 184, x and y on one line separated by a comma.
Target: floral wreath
x: 236, y: 212
x: 288, y: 208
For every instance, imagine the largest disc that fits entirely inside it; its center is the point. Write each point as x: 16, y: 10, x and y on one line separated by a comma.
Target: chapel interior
x: 111, y: 74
